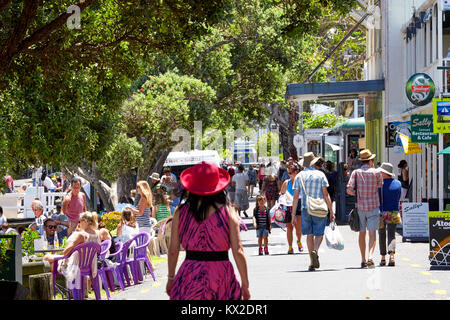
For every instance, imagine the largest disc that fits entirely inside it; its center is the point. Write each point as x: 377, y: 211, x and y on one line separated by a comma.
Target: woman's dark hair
x: 402, y: 164
x: 199, y: 205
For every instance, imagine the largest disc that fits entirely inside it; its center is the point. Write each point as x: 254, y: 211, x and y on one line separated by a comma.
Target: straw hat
x: 155, y: 176
x: 204, y: 179
x: 387, y: 168
x: 307, y: 159
x: 366, y: 155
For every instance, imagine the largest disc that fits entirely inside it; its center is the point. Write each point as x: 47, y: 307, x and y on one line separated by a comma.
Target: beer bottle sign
x: 420, y: 89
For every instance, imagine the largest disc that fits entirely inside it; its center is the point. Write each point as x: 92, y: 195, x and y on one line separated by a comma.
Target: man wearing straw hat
x: 367, y: 180
x: 315, y: 184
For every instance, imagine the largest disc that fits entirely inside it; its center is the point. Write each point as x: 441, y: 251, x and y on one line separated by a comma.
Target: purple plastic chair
x: 105, y: 246
x: 107, y: 273
x: 142, y: 241
x: 86, y: 253
x: 124, y: 261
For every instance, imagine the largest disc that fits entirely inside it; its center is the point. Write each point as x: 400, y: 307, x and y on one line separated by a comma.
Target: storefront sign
x: 408, y: 146
x: 314, y: 134
x: 420, y: 89
x: 439, y: 222
x: 441, y: 115
x: 415, y: 221
x: 393, y: 130
x: 422, y: 129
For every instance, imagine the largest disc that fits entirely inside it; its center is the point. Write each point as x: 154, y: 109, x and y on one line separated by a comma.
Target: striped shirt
x: 162, y: 213
x: 369, y: 180
x: 144, y: 220
x: 313, y: 180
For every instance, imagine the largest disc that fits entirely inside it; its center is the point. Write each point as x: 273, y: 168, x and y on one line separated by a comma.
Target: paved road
x: 280, y: 276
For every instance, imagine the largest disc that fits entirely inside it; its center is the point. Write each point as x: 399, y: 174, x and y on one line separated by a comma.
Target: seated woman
x: 85, y: 232
x: 161, y: 210
x: 127, y: 227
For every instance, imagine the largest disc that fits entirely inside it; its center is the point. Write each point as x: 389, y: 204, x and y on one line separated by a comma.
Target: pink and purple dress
x: 205, y: 280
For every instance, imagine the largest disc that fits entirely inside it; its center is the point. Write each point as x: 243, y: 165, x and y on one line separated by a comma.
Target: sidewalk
x: 280, y: 276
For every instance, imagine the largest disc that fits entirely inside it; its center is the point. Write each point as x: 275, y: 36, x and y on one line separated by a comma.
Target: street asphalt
x: 279, y: 276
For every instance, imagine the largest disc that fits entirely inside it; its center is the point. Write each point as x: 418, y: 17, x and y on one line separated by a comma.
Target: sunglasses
x: 51, y: 227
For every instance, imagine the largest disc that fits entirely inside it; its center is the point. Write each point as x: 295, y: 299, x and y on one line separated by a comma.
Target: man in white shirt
x: 240, y: 182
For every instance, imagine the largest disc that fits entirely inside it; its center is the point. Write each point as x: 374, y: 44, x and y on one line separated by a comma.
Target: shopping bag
x: 279, y: 211
x: 333, y: 237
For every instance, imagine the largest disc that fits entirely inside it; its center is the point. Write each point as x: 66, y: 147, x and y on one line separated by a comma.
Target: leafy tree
x: 323, y: 121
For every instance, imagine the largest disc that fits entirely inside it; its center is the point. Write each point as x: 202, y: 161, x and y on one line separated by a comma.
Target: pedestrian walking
x: 231, y: 189
x: 206, y: 226
x: 293, y: 220
x: 144, y: 208
x: 312, y: 183
x: 364, y: 184
x: 262, y: 224
x: 241, y: 181
x: 389, y: 197
x: 331, y: 175
x: 252, y: 177
x: 271, y: 188
x: 261, y: 175
x: 403, y: 177
x: 74, y: 204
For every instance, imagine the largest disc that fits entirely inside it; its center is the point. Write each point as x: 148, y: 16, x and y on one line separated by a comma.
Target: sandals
x: 363, y: 265
x: 370, y: 264
x: 391, y: 263
x: 383, y: 262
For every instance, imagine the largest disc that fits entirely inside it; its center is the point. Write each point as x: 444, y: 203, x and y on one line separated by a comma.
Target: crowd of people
x: 377, y: 190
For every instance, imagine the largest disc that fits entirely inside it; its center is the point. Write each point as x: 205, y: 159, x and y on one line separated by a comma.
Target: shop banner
x: 408, y: 146
x: 420, y: 89
x: 441, y: 115
x: 422, y: 129
x: 439, y: 222
x: 415, y: 221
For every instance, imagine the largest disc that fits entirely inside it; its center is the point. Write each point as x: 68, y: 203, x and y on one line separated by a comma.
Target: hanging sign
x: 408, y: 146
x: 439, y: 222
x: 441, y: 115
x: 422, y: 129
x: 420, y: 89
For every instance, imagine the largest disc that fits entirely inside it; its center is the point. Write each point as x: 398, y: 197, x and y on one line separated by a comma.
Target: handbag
x: 316, y: 206
x: 353, y: 220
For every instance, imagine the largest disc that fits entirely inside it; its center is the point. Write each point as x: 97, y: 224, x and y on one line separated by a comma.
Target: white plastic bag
x: 333, y: 237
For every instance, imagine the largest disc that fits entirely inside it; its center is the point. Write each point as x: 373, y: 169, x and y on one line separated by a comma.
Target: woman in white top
x: 87, y: 232
x: 127, y: 227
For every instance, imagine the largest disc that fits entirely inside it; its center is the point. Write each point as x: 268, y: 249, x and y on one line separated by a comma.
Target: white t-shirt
x: 3, y: 220
x: 240, y: 179
x: 48, y: 183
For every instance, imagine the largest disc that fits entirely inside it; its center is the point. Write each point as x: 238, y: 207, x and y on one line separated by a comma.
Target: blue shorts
x: 261, y: 232
x: 313, y: 225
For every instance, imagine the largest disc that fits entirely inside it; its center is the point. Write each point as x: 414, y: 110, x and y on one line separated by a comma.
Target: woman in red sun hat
x: 207, y: 227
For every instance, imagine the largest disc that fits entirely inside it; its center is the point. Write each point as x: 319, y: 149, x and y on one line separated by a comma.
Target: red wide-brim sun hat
x: 204, y: 179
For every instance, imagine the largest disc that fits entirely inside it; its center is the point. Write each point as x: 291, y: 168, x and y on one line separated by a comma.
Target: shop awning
x: 354, y: 124
x: 332, y: 91
x: 445, y: 151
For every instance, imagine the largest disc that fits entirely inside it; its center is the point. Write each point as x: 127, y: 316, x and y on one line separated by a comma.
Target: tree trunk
x: 125, y: 183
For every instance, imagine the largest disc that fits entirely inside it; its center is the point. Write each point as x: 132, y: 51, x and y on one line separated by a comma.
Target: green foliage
x: 327, y: 120
x: 28, y: 236
x: 5, y: 245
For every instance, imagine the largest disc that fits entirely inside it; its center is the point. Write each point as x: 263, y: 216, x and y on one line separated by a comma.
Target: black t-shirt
x: 262, y: 218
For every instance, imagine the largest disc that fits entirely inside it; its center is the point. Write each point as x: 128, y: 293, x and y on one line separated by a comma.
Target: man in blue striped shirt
x: 316, y: 184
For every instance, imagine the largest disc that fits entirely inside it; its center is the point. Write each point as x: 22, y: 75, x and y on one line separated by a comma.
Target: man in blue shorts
x: 316, y: 184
